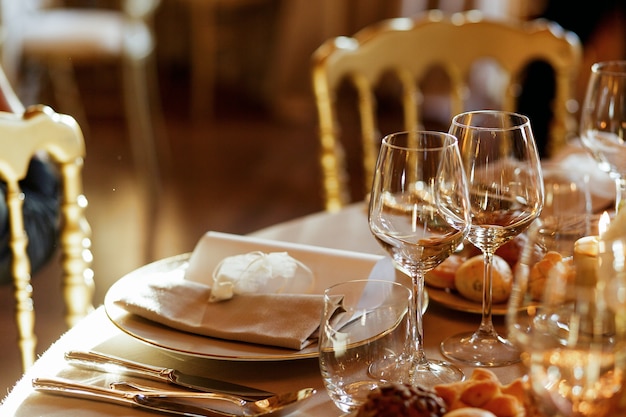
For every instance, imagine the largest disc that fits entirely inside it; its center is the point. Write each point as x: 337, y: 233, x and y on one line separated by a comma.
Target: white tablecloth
x: 346, y: 229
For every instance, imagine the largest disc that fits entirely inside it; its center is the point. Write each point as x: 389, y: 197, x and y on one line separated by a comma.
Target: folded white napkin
x: 283, y: 320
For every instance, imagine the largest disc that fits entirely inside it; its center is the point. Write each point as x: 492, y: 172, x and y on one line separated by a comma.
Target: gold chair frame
x: 22, y: 136
x: 410, y: 47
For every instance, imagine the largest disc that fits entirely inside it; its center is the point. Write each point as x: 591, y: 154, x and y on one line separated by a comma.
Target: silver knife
x: 164, y: 405
x: 107, y: 363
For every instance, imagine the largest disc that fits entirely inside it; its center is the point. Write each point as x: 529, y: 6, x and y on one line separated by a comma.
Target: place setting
x: 266, y: 321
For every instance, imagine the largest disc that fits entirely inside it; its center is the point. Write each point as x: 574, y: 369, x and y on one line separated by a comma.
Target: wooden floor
x: 237, y: 173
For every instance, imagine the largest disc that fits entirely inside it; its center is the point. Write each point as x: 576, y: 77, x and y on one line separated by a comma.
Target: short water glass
x: 365, y: 342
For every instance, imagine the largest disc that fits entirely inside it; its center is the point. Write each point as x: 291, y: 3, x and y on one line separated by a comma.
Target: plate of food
x: 480, y: 395
x: 451, y: 299
x: 457, y: 283
x: 329, y: 266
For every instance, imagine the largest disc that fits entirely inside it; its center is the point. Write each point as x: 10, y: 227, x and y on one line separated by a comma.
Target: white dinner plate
x: 329, y: 267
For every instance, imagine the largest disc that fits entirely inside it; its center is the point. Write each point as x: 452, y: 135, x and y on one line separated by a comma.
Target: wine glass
x: 506, y: 193
x: 603, y: 122
x: 557, y: 315
x: 419, y: 213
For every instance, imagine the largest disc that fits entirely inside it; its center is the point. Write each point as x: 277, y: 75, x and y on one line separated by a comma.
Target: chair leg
x: 20, y: 268
x: 78, y: 283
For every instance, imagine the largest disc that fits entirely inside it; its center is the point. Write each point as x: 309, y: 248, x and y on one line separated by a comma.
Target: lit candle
x: 586, y: 254
x: 586, y: 260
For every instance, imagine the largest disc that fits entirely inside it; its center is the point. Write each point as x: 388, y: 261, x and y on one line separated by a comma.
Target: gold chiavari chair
x: 22, y: 136
x: 409, y: 49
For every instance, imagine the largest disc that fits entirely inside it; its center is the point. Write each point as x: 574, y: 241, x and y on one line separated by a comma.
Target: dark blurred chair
x: 409, y: 50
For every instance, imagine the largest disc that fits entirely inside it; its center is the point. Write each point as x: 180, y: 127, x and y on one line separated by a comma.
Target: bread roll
x: 469, y: 412
x: 468, y: 279
x: 443, y: 275
x: 560, y: 270
x: 512, y: 250
x: 482, y: 395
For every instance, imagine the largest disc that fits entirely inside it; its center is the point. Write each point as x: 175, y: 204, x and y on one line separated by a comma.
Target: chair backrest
x: 409, y: 49
x: 22, y: 136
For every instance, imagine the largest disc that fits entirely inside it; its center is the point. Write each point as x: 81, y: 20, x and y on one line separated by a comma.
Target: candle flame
x: 603, y: 223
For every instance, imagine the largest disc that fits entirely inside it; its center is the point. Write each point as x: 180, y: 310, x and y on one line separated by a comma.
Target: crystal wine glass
x: 557, y: 315
x: 506, y: 193
x: 419, y: 213
x: 603, y: 122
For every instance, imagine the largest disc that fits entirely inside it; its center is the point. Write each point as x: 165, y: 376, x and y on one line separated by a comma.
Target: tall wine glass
x: 603, y: 122
x: 506, y: 194
x: 419, y: 213
x: 573, y: 344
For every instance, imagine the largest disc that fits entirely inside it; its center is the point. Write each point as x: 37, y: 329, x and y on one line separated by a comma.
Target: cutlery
x: 273, y: 401
x: 107, y: 363
x: 175, y: 402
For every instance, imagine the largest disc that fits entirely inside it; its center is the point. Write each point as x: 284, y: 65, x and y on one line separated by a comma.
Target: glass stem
x: 620, y: 193
x: 417, y: 327
x: 486, y: 324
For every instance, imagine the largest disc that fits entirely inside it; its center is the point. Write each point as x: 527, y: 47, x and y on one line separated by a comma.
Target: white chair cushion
x: 82, y: 34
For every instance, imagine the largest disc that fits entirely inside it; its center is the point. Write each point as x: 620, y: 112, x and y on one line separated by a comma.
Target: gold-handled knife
x: 107, y: 363
x: 78, y: 390
x: 175, y: 402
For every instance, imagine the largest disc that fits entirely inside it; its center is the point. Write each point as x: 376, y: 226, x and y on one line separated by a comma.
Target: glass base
x: 479, y: 349
x: 433, y: 372
x: 426, y: 373
x: 392, y: 369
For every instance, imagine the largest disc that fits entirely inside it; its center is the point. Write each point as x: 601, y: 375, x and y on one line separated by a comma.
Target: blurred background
x: 233, y: 119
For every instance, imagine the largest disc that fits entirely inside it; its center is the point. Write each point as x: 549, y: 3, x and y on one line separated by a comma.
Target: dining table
x: 346, y: 229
